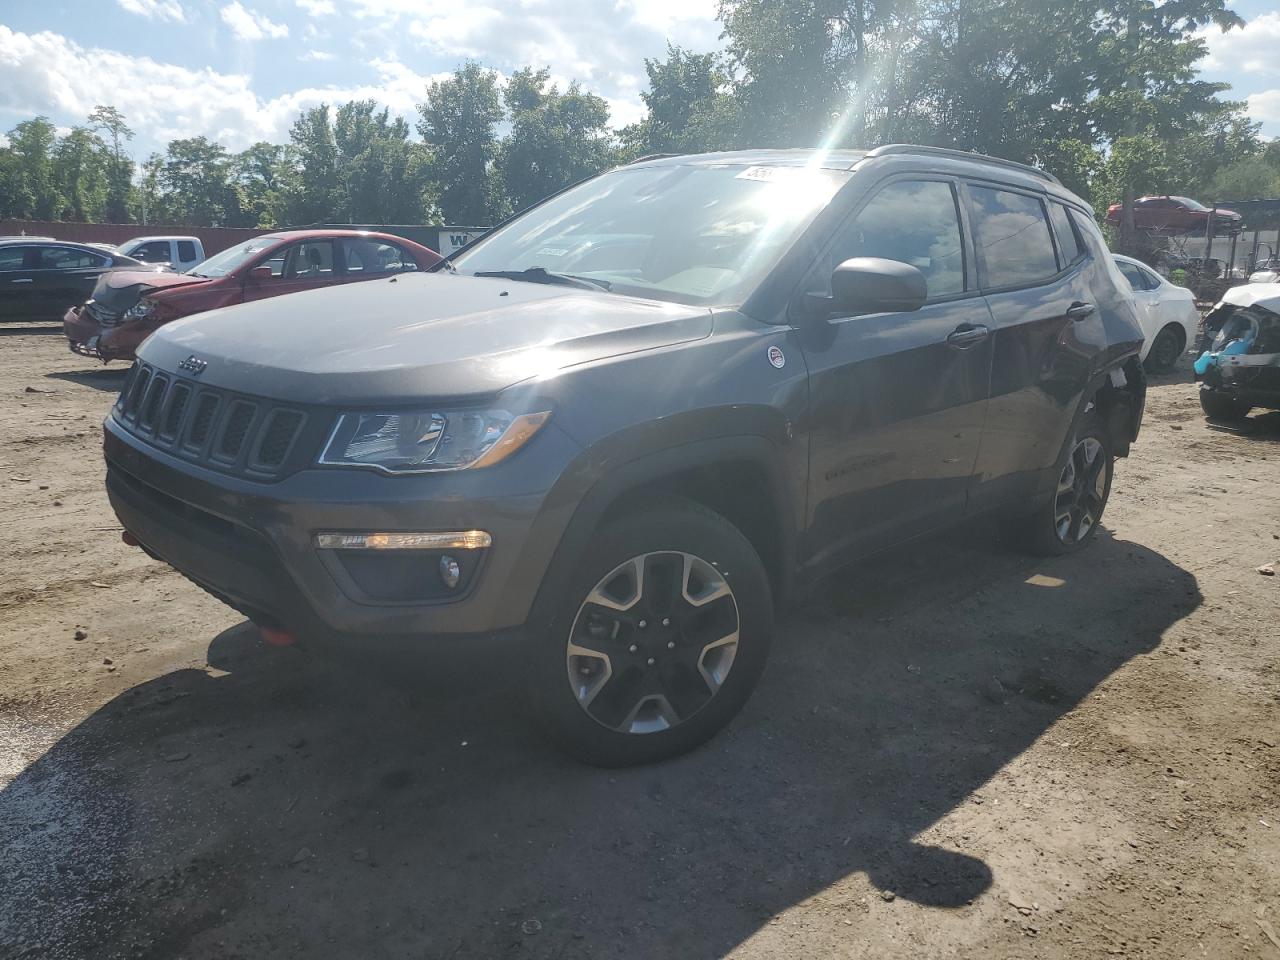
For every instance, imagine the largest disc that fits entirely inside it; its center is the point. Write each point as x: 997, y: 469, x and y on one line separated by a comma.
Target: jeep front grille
x: 248, y: 436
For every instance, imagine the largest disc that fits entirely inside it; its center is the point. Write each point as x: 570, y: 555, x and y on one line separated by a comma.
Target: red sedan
x: 1174, y: 215
x: 128, y: 305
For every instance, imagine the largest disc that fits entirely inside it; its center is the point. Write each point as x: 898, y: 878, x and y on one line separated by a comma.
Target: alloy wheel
x: 1082, y: 491
x: 653, y: 642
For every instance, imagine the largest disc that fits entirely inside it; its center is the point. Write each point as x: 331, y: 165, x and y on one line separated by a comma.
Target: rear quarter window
x: 1012, y: 236
x: 186, y: 250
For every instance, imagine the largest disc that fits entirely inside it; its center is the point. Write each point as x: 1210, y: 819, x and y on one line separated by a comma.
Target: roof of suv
x: 846, y: 159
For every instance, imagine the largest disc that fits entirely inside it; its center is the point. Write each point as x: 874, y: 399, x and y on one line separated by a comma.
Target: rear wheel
x: 1070, y: 519
x: 659, y: 642
x: 1165, y: 350
x: 1220, y: 406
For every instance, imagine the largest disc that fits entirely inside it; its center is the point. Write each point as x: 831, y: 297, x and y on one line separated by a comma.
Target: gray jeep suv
x: 627, y: 425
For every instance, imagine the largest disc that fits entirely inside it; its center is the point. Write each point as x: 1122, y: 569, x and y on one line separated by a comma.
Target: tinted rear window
x: 1013, y: 237
x: 1069, y: 248
x: 186, y: 250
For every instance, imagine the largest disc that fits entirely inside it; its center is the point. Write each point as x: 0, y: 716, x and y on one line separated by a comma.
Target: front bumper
x: 88, y: 338
x: 252, y: 544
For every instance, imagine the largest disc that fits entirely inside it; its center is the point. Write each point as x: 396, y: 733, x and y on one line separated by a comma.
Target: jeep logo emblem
x: 193, y: 364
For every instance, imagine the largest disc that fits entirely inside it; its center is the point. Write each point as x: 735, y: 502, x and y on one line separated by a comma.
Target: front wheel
x: 660, y: 640
x: 1070, y: 519
x: 1220, y: 406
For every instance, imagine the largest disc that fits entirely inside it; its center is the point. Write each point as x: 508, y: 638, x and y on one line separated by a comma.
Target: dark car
x: 1175, y: 215
x: 126, y: 306
x: 623, y: 429
x: 40, y: 279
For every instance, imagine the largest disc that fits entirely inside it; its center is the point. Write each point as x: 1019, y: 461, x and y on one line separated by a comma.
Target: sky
x: 238, y: 71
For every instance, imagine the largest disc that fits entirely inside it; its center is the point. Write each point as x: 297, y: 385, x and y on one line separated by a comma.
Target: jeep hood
x: 414, y: 337
x: 118, y: 290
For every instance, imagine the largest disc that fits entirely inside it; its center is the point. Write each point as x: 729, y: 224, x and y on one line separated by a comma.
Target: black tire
x: 655, y: 537
x: 1046, y: 533
x: 1220, y: 406
x: 1166, y: 350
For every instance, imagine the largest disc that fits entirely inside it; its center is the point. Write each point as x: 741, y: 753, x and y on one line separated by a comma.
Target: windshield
x: 220, y: 264
x: 688, y: 233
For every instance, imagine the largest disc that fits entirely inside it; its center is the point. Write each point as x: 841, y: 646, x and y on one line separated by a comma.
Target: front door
x: 897, y: 400
x: 305, y: 265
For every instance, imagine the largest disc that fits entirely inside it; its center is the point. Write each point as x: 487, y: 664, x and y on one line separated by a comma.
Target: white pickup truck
x: 181, y: 253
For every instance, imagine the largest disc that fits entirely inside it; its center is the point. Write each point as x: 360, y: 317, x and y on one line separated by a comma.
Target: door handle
x: 967, y: 335
x: 26, y: 280
x: 1080, y: 310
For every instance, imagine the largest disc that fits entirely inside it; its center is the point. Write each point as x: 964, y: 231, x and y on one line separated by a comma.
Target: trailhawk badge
x: 777, y: 357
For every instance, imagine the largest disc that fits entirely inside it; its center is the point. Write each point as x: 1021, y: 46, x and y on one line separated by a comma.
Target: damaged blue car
x: 1239, y: 364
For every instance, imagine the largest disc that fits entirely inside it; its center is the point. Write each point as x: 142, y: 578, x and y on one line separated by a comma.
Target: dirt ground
x: 957, y: 751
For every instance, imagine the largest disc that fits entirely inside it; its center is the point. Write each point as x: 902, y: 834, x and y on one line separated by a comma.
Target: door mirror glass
x: 864, y: 285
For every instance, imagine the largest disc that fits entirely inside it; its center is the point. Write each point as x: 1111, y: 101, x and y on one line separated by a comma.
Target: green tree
x: 383, y: 175
x: 35, y: 190
x: 80, y: 169
x: 459, y: 123
x: 110, y: 122
x: 195, y: 182
x: 556, y: 138
x: 260, y: 174
x: 313, y: 192
x: 691, y: 107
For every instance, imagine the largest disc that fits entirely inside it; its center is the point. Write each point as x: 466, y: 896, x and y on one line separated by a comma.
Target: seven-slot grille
x: 226, y: 431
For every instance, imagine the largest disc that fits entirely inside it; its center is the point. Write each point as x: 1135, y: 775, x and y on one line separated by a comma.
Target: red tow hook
x: 278, y: 638
x: 129, y: 539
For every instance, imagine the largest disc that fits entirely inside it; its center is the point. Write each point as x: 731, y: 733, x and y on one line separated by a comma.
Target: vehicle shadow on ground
x: 108, y: 379
x: 28, y: 329
x: 293, y: 807
x: 1259, y: 426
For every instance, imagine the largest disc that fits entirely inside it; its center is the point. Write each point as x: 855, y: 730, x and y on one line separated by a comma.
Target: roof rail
x: 890, y: 149
x: 652, y: 156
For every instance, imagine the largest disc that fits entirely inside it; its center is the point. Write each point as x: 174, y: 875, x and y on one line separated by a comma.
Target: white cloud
x: 1249, y: 49
x: 1265, y: 107
x: 45, y: 73
x: 317, y: 8
x: 155, y: 9
x: 316, y: 56
x: 248, y: 25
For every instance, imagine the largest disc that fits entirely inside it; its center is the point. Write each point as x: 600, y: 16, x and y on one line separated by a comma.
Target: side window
x: 65, y: 258
x: 1070, y: 248
x: 1012, y: 235
x: 376, y: 256
x: 310, y: 260
x: 11, y: 257
x: 914, y: 221
x: 157, y: 251
x: 1132, y: 274
x: 1150, y: 279
x: 186, y: 251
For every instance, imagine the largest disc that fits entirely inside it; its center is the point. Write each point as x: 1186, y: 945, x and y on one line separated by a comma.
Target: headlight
x: 141, y: 309
x: 413, y: 442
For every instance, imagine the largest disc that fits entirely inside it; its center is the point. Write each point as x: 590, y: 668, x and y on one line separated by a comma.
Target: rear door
x: 17, y: 282
x: 1036, y: 272
x: 896, y: 399
x: 368, y: 258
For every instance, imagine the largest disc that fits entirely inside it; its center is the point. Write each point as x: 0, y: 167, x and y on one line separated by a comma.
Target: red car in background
x: 1175, y: 215
x: 128, y: 305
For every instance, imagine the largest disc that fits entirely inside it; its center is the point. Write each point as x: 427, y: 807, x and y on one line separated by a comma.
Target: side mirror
x: 259, y: 274
x: 876, y: 285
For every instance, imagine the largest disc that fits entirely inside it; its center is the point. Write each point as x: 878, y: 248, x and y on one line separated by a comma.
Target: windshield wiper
x: 543, y: 275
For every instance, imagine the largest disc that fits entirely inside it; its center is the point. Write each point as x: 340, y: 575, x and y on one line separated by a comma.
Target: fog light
x: 450, y: 571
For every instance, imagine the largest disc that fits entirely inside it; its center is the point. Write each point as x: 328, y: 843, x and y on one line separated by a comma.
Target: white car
x: 1266, y: 271
x: 181, y: 253
x: 1168, y: 314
